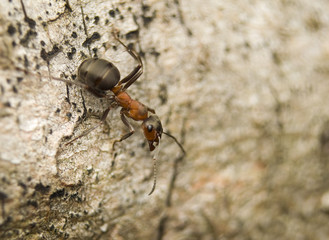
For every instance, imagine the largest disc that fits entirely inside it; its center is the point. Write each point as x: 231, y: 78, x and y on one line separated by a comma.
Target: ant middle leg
x: 136, y: 72
x: 103, y: 118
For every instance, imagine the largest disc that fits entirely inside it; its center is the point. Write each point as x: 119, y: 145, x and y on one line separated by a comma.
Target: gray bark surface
x: 242, y: 84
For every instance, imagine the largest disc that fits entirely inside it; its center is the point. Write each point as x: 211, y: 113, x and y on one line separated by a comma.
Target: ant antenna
x: 155, y: 159
x: 178, y: 143
x: 154, y: 175
x: 155, y: 167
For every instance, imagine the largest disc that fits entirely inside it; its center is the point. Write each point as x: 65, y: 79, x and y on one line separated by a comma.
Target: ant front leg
x: 125, y: 122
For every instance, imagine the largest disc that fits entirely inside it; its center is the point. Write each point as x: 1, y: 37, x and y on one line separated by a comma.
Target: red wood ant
x: 99, y: 76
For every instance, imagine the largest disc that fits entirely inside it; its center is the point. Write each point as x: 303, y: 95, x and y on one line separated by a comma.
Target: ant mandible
x: 99, y: 76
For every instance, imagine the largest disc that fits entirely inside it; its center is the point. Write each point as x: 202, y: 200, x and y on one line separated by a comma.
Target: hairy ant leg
x: 136, y: 72
x: 86, y: 132
x: 126, y: 123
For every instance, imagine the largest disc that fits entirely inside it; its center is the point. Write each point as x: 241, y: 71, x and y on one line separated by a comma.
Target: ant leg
x: 103, y: 118
x: 46, y: 75
x: 82, y: 85
x: 131, y: 129
x: 137, y: 72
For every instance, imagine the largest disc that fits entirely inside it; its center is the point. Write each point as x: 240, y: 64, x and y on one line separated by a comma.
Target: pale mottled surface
x: 243, y: 84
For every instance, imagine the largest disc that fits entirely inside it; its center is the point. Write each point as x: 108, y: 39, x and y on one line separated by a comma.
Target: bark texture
x: 243, y: 85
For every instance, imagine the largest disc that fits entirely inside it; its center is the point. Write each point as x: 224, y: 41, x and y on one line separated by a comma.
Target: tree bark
x: 243, y: 86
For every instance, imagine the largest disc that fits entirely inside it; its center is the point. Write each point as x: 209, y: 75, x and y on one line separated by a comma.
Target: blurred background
x: 242, y: 84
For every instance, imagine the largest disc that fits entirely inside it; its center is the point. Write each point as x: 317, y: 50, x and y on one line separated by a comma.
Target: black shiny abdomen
x: 98, y: 74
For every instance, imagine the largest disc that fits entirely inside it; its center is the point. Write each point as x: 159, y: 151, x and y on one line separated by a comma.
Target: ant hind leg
x: 46, y: 75
x: 136, y: 72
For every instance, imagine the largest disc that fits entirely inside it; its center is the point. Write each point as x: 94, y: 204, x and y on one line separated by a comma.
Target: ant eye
x: 149, y: 128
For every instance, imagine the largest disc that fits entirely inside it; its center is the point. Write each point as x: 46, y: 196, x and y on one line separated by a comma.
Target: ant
x: 100, y: 76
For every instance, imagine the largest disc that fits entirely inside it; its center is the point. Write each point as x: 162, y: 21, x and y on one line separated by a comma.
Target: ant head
x: 152, y: 130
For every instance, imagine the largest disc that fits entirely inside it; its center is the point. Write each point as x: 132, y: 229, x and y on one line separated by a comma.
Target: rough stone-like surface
x: 242, y: 84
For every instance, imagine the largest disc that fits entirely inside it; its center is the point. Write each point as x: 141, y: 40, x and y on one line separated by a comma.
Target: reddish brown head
x: 152, y: 129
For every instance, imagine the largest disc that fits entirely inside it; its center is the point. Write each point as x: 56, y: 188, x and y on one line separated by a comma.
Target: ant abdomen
x: 98, y: 74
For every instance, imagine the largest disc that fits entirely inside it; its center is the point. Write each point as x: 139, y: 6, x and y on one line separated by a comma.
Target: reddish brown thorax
x: 135, y: 109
